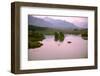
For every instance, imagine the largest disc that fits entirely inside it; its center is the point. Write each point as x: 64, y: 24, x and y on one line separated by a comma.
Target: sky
x: 78, y: 21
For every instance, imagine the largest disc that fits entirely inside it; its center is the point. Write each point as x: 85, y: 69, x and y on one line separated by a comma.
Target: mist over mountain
x: 51, y: 23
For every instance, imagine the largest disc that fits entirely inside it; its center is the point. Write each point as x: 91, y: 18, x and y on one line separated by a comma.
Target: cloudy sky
x: 78, y: 21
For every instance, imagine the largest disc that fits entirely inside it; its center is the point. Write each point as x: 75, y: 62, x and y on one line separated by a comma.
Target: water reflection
x: 71, y: 47
x: 85, y: 38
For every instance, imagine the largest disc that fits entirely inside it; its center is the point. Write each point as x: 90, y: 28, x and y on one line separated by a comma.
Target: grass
x: 35, y: 35
x: 34, y: 44
x: 34, y: 39
x: 59, y: 36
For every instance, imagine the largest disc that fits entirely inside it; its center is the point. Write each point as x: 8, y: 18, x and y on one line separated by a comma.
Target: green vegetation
x: 59, y: 36
x: 85, y: 38
x: 84, y: 34
x: 56, y: 36
x: 76, y: 31
x: 36, y: 34
x: 51, y: 31
x: 34, y: 44
x: 34, y: 38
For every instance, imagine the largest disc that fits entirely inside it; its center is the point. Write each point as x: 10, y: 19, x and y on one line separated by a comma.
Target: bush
x: 34, y: 38
x: 59, y: 36
x: 84, y: 35
x: 34, y: 44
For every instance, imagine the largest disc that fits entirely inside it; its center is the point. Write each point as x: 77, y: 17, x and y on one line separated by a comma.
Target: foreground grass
x: 34, y: 39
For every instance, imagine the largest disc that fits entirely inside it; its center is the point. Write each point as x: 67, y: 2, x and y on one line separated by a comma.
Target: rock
x: 69, y: 42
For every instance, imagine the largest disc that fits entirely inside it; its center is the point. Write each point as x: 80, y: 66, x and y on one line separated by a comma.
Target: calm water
x: 52, y: 49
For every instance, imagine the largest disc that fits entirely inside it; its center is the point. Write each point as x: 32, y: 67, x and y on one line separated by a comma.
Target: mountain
x: 50, y: 23
x: 33, y: 28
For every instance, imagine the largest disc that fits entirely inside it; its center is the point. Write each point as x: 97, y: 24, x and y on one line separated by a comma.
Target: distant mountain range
x: 51, y: 23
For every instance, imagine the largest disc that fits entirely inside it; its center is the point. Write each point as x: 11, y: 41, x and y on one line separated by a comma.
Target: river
x: 73, y: 47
